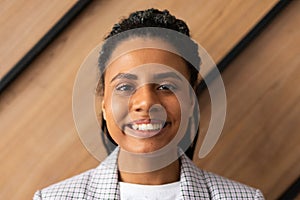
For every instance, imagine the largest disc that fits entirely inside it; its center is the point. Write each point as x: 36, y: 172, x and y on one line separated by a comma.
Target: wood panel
x: 38, y: 139
x: 260, y: 141
x: 23, y: 24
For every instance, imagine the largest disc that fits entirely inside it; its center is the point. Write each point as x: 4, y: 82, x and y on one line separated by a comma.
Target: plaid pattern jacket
x: 102, y: 183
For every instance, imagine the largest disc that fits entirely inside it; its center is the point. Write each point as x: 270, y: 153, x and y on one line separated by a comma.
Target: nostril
x: 156, y: 107
x: 158, y: 111
x: 138, y: 109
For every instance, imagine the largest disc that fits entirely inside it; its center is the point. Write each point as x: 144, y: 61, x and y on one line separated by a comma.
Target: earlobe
x: 192, y: 108
x: 103, y: 110
x: 193, y: 101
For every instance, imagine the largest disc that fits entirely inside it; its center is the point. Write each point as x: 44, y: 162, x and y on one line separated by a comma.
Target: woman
x: 149, y: 111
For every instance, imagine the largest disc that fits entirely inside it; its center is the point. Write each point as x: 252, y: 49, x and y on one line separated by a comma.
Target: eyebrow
x: 124, y: 76
x: 156, y: 76
x: 167, y: 75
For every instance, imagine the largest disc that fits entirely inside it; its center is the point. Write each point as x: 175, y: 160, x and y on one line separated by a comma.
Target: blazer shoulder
x: 97, y: 183
x: 221, y: 187
x: 75, y: 187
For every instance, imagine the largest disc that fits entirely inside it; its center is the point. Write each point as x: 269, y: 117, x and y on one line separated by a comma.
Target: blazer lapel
x: 192, y: 181
x: 104, y: 181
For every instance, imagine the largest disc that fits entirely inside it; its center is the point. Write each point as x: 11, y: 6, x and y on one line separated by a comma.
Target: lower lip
x: 142, y: 134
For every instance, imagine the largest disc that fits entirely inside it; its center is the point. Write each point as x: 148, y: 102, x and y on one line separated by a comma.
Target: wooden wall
x: 23, y: 24
x: 39, y: 144
x: 260, y: 141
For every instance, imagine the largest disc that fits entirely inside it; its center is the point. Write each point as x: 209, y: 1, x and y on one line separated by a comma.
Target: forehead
x: 138, y: 43
x: 147, y: 61
x: 137, y: 52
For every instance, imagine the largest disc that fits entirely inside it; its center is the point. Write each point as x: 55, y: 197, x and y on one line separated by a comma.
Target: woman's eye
x: 167, y: 87
x: 125, y: 87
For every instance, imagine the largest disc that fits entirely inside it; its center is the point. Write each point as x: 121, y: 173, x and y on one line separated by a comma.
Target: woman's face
x: 147, y: 98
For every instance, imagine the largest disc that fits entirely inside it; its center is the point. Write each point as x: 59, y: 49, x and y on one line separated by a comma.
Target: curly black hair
x: 138, y: 21
x: 150, y: 18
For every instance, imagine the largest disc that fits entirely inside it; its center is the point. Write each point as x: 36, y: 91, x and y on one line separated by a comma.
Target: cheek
x: 179, y: 106
x: 173, y: 107
x: 187, y: 98
x: 181, y: 109
x: 116, y: 110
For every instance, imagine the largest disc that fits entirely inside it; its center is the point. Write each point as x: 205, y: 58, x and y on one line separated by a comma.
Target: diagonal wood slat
x: 260, y: 141
x: 38, y: 139
x: 23, y: 24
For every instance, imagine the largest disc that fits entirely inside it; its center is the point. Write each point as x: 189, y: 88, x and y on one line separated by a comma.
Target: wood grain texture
x: 39, y: 143
x: 23, y: 24
x: 259, y: 145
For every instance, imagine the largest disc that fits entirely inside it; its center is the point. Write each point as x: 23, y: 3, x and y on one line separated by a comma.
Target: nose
x: 144, y: 100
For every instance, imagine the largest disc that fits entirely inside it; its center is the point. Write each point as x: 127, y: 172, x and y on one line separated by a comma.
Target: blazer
x: 102, y: 183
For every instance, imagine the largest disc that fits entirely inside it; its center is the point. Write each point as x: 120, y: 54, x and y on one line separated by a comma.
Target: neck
x: 149, y: 170
x: 168, y: 174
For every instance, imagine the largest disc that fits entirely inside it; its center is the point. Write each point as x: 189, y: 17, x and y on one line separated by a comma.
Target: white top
x: 130, y: 191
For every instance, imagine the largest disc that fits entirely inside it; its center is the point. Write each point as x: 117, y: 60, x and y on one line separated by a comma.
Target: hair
x: 138, y: 21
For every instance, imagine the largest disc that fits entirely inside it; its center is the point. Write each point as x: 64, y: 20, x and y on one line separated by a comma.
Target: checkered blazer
x: 102, y: 183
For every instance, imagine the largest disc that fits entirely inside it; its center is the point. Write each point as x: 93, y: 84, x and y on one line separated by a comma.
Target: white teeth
x: 147, y: 127
x: 135, y: 127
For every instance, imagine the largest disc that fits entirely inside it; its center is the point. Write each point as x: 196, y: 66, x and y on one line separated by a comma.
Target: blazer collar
x: 192, y: 182
x: 104, y: 181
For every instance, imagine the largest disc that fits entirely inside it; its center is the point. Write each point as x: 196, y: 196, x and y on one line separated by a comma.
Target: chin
x: 141, y: 149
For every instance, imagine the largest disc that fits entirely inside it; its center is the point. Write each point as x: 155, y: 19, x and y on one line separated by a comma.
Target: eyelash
x: 121, y: 87
x: 168, y: 86
x: 125, y: 87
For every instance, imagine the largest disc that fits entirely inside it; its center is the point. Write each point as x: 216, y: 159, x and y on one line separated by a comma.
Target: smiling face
x: 147, y: 98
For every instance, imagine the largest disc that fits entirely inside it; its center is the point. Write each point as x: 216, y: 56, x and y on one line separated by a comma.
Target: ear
x: 103, y: 110
x: 193, y: 100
